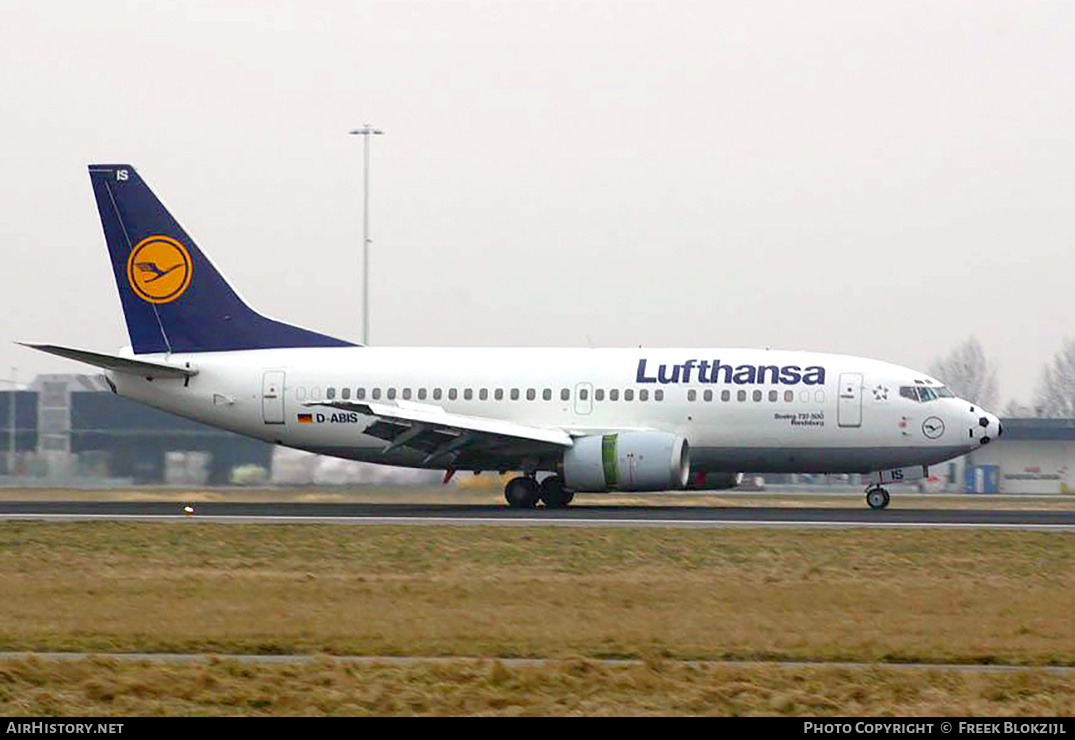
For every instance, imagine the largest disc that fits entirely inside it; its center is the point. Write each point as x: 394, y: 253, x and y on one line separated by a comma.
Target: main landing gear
x: 524, y: 492
x: 877, y: 497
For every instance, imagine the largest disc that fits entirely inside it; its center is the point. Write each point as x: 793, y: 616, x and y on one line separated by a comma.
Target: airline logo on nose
x: 159, y: 269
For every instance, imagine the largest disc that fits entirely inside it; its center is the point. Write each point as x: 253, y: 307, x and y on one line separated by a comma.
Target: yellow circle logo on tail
x: 159, y: 269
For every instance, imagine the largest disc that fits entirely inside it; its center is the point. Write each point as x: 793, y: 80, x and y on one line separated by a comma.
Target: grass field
x: 108, y: 687
x: 574, y: 595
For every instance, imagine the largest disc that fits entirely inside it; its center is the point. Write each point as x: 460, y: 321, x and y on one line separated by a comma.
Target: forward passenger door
x: 849, y: 403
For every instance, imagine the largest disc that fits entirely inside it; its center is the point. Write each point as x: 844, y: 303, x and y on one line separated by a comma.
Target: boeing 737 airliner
x: 568, y: 419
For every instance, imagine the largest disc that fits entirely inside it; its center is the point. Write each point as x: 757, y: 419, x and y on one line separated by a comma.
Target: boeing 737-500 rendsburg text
x: 568, y: 419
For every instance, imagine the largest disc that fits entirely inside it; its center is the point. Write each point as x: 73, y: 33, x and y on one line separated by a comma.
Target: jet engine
x: 703, y: 481
x: 627, y: 461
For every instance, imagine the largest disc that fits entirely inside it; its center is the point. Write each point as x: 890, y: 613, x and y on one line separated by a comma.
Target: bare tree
x: 1056, y: 390
x: 1014, y: 409
x: 968, y: 372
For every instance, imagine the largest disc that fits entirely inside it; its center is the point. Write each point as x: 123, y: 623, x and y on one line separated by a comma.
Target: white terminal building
x: 1033, y: 456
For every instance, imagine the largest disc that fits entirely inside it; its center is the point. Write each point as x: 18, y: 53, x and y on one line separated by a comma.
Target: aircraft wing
x: 440, y: 434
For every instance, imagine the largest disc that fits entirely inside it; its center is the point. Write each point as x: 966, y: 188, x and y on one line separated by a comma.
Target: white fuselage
x: 739, y: 409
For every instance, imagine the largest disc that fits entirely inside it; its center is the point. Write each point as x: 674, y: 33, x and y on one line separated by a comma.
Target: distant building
x: 130, y: 440
x: 72, y: 426
x: 1033, y: 456
x: 25, y: 421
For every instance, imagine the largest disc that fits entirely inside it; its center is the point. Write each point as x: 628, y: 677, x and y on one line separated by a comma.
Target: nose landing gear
x: 877, y: 497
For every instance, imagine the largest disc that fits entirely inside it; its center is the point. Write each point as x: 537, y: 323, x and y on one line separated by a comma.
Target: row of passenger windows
x: 757, y: 395
x: 482, y: 394
x: 531, y: 394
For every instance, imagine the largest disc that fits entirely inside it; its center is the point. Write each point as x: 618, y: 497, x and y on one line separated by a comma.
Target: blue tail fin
x: 173, y: 298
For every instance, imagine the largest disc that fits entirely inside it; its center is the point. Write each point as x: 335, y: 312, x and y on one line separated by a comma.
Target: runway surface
x: 587, y: 515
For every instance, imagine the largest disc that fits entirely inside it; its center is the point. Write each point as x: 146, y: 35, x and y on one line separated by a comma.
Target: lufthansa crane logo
x: 159, y: 269
x: 933, y: 427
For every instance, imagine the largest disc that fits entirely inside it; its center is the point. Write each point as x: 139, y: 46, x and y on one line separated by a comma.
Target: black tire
x: 877, y: 498
x: 553, y: 493
x: 522, y: 493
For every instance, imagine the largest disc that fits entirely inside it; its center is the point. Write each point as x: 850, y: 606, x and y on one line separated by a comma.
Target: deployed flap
x: 435, y: 418
x: 145, y: 368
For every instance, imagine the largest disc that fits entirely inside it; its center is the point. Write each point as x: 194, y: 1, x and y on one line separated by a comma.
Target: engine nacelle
x: 627, y: 461
x: 703, y: 481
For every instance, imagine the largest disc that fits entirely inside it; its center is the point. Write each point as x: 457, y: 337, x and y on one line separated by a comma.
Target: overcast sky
x: 875, y: 178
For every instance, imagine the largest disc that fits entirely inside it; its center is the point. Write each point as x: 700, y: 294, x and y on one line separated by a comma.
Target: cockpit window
x: 923, y: 394
x: 909, y: 391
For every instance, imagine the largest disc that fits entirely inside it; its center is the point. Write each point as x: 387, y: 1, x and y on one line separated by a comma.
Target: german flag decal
x: 306, y: 418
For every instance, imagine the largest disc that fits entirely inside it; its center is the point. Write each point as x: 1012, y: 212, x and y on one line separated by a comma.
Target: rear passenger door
x: 272, y: 397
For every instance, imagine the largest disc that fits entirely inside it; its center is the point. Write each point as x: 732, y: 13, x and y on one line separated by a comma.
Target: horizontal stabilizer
x: 144, y: 368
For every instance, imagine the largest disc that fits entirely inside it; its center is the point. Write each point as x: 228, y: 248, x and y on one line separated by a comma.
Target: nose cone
x: 989, y: 427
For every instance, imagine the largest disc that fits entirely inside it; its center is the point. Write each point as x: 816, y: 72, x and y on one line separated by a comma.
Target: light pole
x: 366, y: 131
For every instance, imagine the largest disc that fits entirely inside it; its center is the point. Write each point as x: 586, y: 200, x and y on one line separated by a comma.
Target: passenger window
x: 346, y: 393
x: 330, y: 393
x: 692, y: 395
x: 315, y: 393
x: 468, y: 394
x: 614, y: 394
x: 757, y: 396
x: 300, y: 394
x: 452, y: 394
x: 546, y: 395
x: 628, y: 395
x: 725, y: 395
x: 599, y: 394
x: 708, y: 396
x: 483, y: 394
x: 565, y: 394
x: 376, y: 394
x: 531, y: 394
x: 804, y: 396
x: 514, y: 394
x: 789, y: 396
x: 584, y: 394
x: 360, y: 393
x: 819, y: 396
x: 498, y: 394
x: 406, y: 394
x: 658, y: 395
x: 773, y: 396
x: 421, y: 394
x: 741, y: 395
x: 643, y: 395
x: 391, y: 393
x: 437, y: 394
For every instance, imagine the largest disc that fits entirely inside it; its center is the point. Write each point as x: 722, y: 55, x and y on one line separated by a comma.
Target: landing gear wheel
x: 522, y: 493
x: 877, y: 498
x: 553, y: 493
